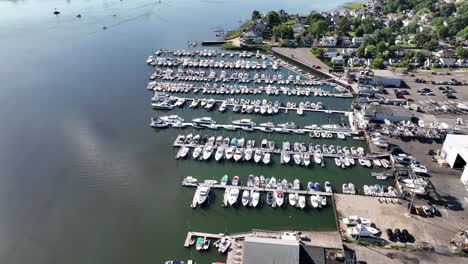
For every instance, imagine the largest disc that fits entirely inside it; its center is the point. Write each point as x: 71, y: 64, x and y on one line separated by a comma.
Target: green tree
x: 381, y: 47
x: 344, y: 25
x: 370, y: 51
x: 318, y: 28
x: 359, y: 32
x: 283, y: 31
x: 421, y: 38
x: 463, y: 34
x: 315, y: 17
x: 395, y: 25
x: 273, y: 19
x: 431, y: 45
x: 462, y: 52
x: 378, y: 63
x: 256, y: 15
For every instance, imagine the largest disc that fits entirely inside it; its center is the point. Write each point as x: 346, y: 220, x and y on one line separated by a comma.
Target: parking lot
x: 461, y: 91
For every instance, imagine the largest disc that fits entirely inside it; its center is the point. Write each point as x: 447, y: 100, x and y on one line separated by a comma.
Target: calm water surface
x: 83, y: 179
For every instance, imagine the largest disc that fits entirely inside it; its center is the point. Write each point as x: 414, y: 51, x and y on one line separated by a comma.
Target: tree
x: 344, y: 25
x: 395, y: 25
x: 431, y: 45
x: 283, y: 31
x: 421, y: 38
x: 318, y: 28
x: 256, y: 15
x: 381, y: 47
x: 378, y: 63
x: 370, y: 51
x: 462, y: 52
x: 359, y: 32
x: 315, y: 17
x: 463, y: 34
x: 273, y: 19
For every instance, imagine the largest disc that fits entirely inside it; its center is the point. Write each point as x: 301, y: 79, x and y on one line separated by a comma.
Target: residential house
x: 329, y: 41
x: 462, y: 63
x: 338, y: 61
x: 357, y: 41
x: 447, y: 62
x: 355, y: 62
x: 299, y: 28
x: 346, y: 41
x: 430, y: 63
x: 348, y: 52
x: 330, y: 53
x: 445, y: 53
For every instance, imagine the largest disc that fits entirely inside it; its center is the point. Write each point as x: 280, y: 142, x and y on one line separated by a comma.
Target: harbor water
x: 83, y: 178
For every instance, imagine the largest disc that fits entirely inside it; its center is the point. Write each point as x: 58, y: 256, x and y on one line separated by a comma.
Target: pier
x: 259, y: 189
x: 212, y: 42
x: 200, y: 234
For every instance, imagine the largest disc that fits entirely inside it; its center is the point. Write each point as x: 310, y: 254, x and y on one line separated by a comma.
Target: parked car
x: 451, y: 96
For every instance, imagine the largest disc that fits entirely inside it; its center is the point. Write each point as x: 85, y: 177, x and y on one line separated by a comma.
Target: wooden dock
x: 200, y: 234
x: 259, y: 189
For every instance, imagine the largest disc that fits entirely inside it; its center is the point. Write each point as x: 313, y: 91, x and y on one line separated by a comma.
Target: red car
x: 318, y: 67
x: 400, y: 96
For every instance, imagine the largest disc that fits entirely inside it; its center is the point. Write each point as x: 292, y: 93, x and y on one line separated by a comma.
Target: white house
x: 455, y: 153
x: 357, y: 41
x: 337, y: 61
x: 329, y: 41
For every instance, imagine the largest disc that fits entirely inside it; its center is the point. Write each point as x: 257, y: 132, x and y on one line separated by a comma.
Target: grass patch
x: 351, y: 33
x: 354, y: 5
x: 229, y: 46
x: 236, y: 33
x: 440, y: 69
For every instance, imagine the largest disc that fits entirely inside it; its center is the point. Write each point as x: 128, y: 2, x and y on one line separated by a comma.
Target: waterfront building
x: 388, y: 112
x: 455, y: 153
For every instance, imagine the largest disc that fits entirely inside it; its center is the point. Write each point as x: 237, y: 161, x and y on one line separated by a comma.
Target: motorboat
x: 279, y: 197
x: 306, y: 159
x: 258, y: 155
x: 255, y: 198
x: 238, y: 154
x: 297, y: 159
x: 207, y: 151
x: 235, y: 180
x: 171, y: 118
x: 203, y: 193
x: 224, y: 180
x: 362, y: 231
x: 229, y: 152
x: 338, y: 162
x: 196, y: 152
x: 206, y: 243
x: 270, y: 198
x: 302, y: 201
x: 266, y: 158
x: 324, y: 201
x: 318, y: 158
x: 318, y: 187
x: 245, y: 197
x: 233, y: 196
x: 199, y: 243
x: 328, y: 187
x: 256, y: 181
x: 219, y: 153
x: 248, y: 154
x: 243, y: 122
x: 157, y: 123
x: 354, y: 220
x: 292, y: 199
x: 314, y: 201
x: 204, y: 120
x: 183, y: 152
x: 190, y: 179
x: 250, y: 181
x: 311, y: 186
x: 377, y: 163
x: 224, y: 245
x: 273, y: 182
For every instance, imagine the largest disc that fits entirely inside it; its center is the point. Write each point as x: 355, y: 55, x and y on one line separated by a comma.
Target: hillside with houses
x: 378, y: 34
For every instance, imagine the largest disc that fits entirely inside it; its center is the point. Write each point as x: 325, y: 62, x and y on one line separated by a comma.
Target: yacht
x: 203, y: 193
x: 279, y: 197
x: 163, y: 106
x: 156, y: 122
x: 245, y: 197
x: 255, y: 198
x: 171, y: 118
x: 243, y: 122
x: 183, y: 152
x: 207, y: 151
x: 204, y: 121
x: 219, y: 153
x: 233, y: 196
x: 362, y: 231
x: 194, y: 103
x: 328, y: 187
x: 292, y: 199
x: 302, y: 201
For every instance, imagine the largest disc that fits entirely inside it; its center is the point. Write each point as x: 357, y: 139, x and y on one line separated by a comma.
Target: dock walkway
x: 259, y: 189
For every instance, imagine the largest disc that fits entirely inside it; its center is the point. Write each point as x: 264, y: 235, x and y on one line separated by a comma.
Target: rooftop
x: 259, y: 250
x: 389, y: 110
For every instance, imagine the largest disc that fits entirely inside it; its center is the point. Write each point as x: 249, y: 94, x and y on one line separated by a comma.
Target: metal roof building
x: 259, y: 250
x: 389, y: 112
x: 455, y: 153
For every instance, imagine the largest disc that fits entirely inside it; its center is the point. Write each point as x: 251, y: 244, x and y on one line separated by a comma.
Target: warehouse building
x: 389, y: 112
x: 384, y: 78
x: 455, y: 153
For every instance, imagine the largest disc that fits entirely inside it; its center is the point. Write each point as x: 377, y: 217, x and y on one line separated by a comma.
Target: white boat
x: 338, y: 162
x: 324, y: 201
x: 354, y: 220
x: 258, y: 155
x: 171, y: 118
x: 318, y: 158
x: 245, y: 197
x: 328, y: 187
x: 224, y: 245
x: 190, y: 179
x: 377, y: 163
x: 219, y: 153
x: 207, y: 151
x: 292, y: 199
x: 243, y: 122
x: 362, y: 231
x: 279, y: 198
x: 286, y: 156
x: 296, y: 184
x: 155, y: 122
x: 235, y: 180
x: 233, y: 196
x: 297, y: 159
x: 266, y: 158
x: 204, y: 120
x: 203, y: 193
x: 306, y: 159
x: 196, y: 152
x: 255, y: 198
x: 248, y: 154
x: 313, y: 201
x: 229, y: 152
x: 238, y: 154
x: 302, y: 201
